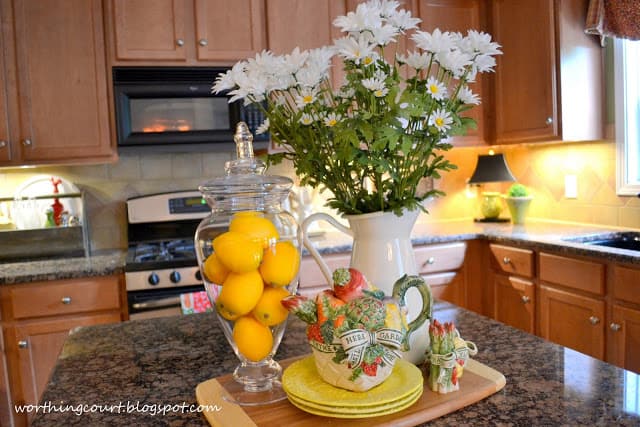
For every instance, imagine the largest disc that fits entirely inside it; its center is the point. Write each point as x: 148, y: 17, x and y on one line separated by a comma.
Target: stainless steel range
x: 161, y: 261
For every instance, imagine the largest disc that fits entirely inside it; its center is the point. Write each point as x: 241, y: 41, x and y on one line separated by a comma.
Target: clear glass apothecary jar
x: 248, y: 250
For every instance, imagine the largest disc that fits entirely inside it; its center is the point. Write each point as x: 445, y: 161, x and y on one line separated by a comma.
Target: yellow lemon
x: 280, y: 264
x: 255, y: 226
x: 239, y: 294
x: 214, y: 270
x: 253, y: 339
x: 268, y: 310
x: 237, y: 251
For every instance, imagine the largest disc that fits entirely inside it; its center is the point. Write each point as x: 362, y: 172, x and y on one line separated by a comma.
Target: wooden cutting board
x: 478, y: 381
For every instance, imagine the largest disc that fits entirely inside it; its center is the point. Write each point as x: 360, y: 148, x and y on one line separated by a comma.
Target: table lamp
x: 491, y: 168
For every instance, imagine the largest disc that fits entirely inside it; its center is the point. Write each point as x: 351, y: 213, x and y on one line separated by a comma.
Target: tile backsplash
x: 541, y: 167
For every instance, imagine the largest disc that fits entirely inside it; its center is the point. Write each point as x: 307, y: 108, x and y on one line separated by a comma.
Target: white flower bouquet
x: 371, y: 140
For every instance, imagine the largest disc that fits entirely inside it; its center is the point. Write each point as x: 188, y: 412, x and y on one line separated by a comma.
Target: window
x: 627, y: 115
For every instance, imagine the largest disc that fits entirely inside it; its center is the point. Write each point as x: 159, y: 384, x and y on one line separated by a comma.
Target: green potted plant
x: 518, y: 199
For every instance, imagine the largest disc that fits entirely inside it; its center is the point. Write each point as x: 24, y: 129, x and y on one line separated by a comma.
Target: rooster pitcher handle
x: 326, y: 271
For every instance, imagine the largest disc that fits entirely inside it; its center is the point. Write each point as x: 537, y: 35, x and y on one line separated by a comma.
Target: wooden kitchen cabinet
x: 624, y: 324
x: 441, y: 265
x: 55, y: 78
x: 312, y: 280
x: 512, y: 287
x: 548, y: 82
x: 461, y: 16
x: 185, y: 32
x: 37, y: 317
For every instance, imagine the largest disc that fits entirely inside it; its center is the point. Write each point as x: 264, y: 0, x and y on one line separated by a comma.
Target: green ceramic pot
x: 491, y: 205
x: 518, y: 207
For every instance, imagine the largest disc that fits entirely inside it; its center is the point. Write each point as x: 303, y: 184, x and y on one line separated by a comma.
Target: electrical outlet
x: 571, y: 186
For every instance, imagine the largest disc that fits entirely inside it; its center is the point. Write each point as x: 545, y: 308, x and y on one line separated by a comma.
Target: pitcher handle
x: 400, y: 289
x: 326, y: 272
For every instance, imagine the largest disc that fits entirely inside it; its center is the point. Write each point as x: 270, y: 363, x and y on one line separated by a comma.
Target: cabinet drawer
x: 64, y: 297
x: 443, y: 257
x: 446, y: 286
x: 575, y: 273
x: 311, y: 275
x: 626, y: 284
x: 512, y: 260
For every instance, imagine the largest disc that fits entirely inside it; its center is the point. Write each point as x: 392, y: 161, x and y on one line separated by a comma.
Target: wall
x: 539, y: 166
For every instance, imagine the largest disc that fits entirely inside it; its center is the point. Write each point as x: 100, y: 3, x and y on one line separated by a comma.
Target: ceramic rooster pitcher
x: 383, y: 252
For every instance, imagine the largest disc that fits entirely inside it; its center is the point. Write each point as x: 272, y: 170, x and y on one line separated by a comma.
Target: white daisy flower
x: 384, y: 35
x: 354, y: 49
x: 436, y: 88
x: 332, y: 119
x: 434, y: 42
x: 376, y: 85
x: 415, y: 60
x: 363, y: 18
x: 263, y: 128
x: 484, y: 63
x: 467, y: 96
x: 403, y: 20
x: 305, y: 96
x: 306, y: 119
x: 480, y: 42
x: 454, y: 61
x: 441, y: 119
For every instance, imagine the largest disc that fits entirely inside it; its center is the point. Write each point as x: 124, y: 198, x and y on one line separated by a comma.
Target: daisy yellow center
x: 332, y: 122
x: 307, y: 99
x: 378, y: 93
x: 368, y: 60
x: 433, y: 88
x: 439, y: 121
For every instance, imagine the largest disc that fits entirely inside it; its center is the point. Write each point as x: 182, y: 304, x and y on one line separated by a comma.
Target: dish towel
x: 195, y: 302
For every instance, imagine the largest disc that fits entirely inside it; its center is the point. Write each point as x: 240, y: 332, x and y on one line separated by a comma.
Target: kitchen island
x: 135, y: 367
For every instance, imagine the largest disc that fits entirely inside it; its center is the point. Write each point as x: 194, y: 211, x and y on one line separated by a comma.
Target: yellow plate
x: 364, y: 411
x: 301, y: 380
x: 384, y: 410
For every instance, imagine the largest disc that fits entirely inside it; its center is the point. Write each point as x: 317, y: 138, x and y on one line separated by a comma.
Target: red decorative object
x: 57, y: 207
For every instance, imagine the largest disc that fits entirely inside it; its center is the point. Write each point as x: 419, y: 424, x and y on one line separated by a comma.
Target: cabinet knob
x: 180, y: 42
x: 549, y: 120
x: 525, y: 299
x: 615, y: 327
x: 203, y: 42
x: 594, y: 320
x: 429, y: 261
x: 27, y: 142
x: 506, y: 260
x: 23, y: 344
x: 66, y: 300
x: 3, y: 144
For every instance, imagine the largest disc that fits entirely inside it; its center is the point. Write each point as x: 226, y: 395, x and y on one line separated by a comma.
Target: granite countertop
x: 543, y: 235
x: 161, y: 361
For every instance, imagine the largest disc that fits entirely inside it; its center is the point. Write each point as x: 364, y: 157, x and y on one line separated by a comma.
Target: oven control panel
x: 163, y: 278
x: 193, y: 204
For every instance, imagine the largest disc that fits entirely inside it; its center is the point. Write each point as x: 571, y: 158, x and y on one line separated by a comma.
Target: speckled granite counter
x: 103, y: 264
x: 535, y: 234
x: 160, y: 362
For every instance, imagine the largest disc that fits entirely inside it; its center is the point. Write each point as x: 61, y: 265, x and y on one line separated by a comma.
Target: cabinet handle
x: 3, y: 144
x: 27, y: 142
x: 549, y: 120
x: 506, y: 260
x: 594, y: 320
x: 23, y: 344
x: 429, y: 261
x: 180, y: 42
x: 66, y: 300
x: 615, y: 327
x: 525, y: 299
x: 203, y: 42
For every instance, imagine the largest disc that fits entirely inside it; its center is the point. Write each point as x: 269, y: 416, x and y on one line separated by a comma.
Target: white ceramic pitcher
x: 383, y: 252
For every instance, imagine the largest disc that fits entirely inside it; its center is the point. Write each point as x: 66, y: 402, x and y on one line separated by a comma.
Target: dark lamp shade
x: 491, y: 169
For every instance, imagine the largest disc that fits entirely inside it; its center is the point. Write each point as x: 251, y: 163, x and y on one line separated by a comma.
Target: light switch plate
x: 571, y: 186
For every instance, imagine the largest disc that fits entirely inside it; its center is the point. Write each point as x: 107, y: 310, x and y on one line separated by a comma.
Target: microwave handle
x: 159, y: 303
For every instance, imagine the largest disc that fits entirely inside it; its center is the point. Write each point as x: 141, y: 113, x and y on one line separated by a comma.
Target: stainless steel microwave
x: 172, y: 109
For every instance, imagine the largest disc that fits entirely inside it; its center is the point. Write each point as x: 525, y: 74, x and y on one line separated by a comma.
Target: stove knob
x: 174, y: 277
x: 198, y: 276
x: 153, y: 279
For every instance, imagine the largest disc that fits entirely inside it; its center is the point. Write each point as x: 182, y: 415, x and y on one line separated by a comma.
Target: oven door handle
x: 159, y: 303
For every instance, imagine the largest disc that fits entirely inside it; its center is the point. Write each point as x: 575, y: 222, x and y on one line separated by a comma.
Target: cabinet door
x: 514, y: 302
x: 459, y: 16
x: 62, y: 80
x: 150, y: 29
x: 5, y: 148
x: 229, y: 31
x: 37, y: 346
x: 572, y: 320
x: 625, y: 338
x: 447, y: 286
x: 526, y: 100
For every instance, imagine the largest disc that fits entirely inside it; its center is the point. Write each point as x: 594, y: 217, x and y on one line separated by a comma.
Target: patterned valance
x: 614, y: 18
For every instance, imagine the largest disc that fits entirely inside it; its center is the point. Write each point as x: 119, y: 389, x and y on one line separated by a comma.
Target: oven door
x: 157, y: 302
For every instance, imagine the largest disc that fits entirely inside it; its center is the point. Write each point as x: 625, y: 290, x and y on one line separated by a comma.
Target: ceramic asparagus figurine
x: 449, y: 353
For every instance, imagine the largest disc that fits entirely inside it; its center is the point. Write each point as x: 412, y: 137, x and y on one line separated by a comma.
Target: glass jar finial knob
x: 245, y: 161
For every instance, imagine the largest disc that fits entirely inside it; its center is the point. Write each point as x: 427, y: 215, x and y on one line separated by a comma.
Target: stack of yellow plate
x: 306, y: 390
